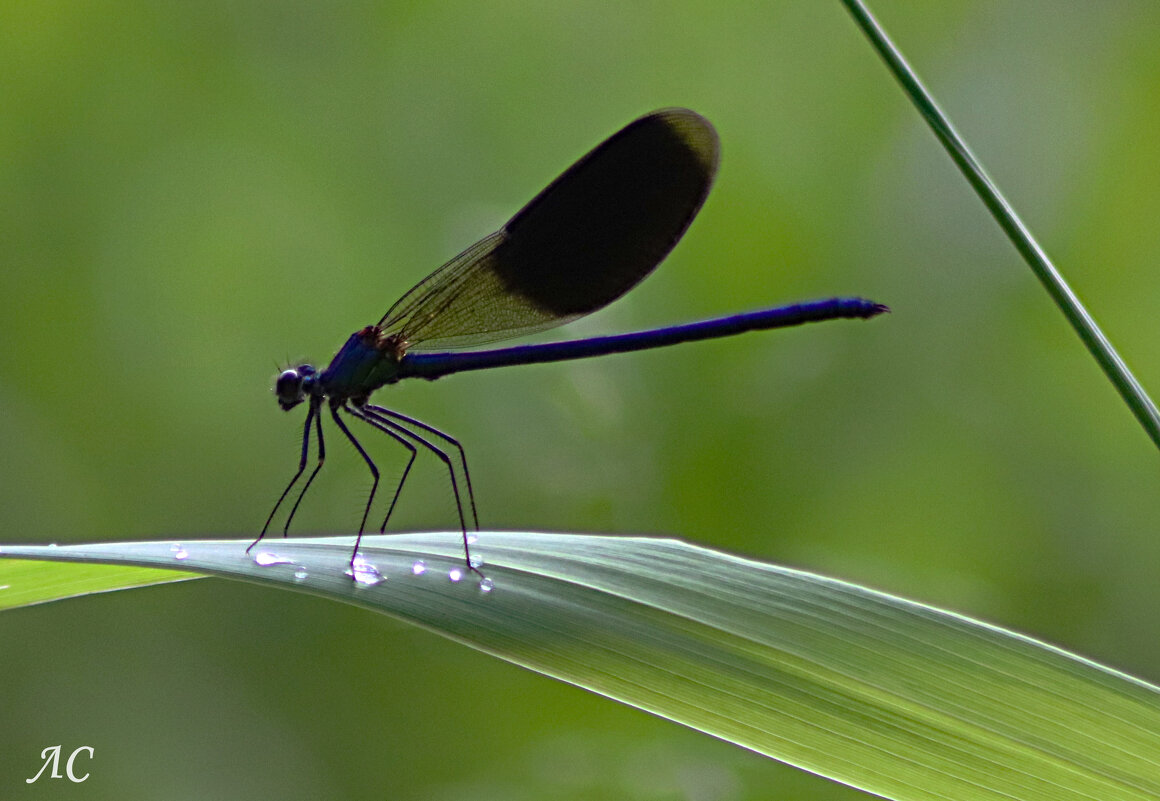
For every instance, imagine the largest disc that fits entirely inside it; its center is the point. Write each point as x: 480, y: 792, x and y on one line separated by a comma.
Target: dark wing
x: 592, y: 235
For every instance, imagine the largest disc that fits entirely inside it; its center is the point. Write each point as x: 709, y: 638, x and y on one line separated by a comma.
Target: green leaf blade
x: 883, y: 694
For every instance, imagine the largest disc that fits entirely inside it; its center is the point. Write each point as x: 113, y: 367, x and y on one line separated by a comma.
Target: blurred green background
x: 196, y: 194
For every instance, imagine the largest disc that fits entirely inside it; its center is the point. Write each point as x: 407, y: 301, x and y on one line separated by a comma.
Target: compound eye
x: 288, y: 388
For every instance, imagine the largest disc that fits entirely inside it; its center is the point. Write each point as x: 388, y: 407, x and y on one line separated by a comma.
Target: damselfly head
x: 293, y: 385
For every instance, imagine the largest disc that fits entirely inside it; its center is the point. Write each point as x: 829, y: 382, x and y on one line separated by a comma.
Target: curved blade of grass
x: 896, y: 698
x: 28, y: 583
x: 1084, y: 324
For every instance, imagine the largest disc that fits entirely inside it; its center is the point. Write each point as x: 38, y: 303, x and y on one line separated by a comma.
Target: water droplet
x: 472, y: 539
x: 179, y: 551
x: 300, y: 574
x: 476, y: 561
x: 455, y: 574
x: 419, y: 567
x: 364, y: 573
x: 486, y: 585
x: 267, y: 559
